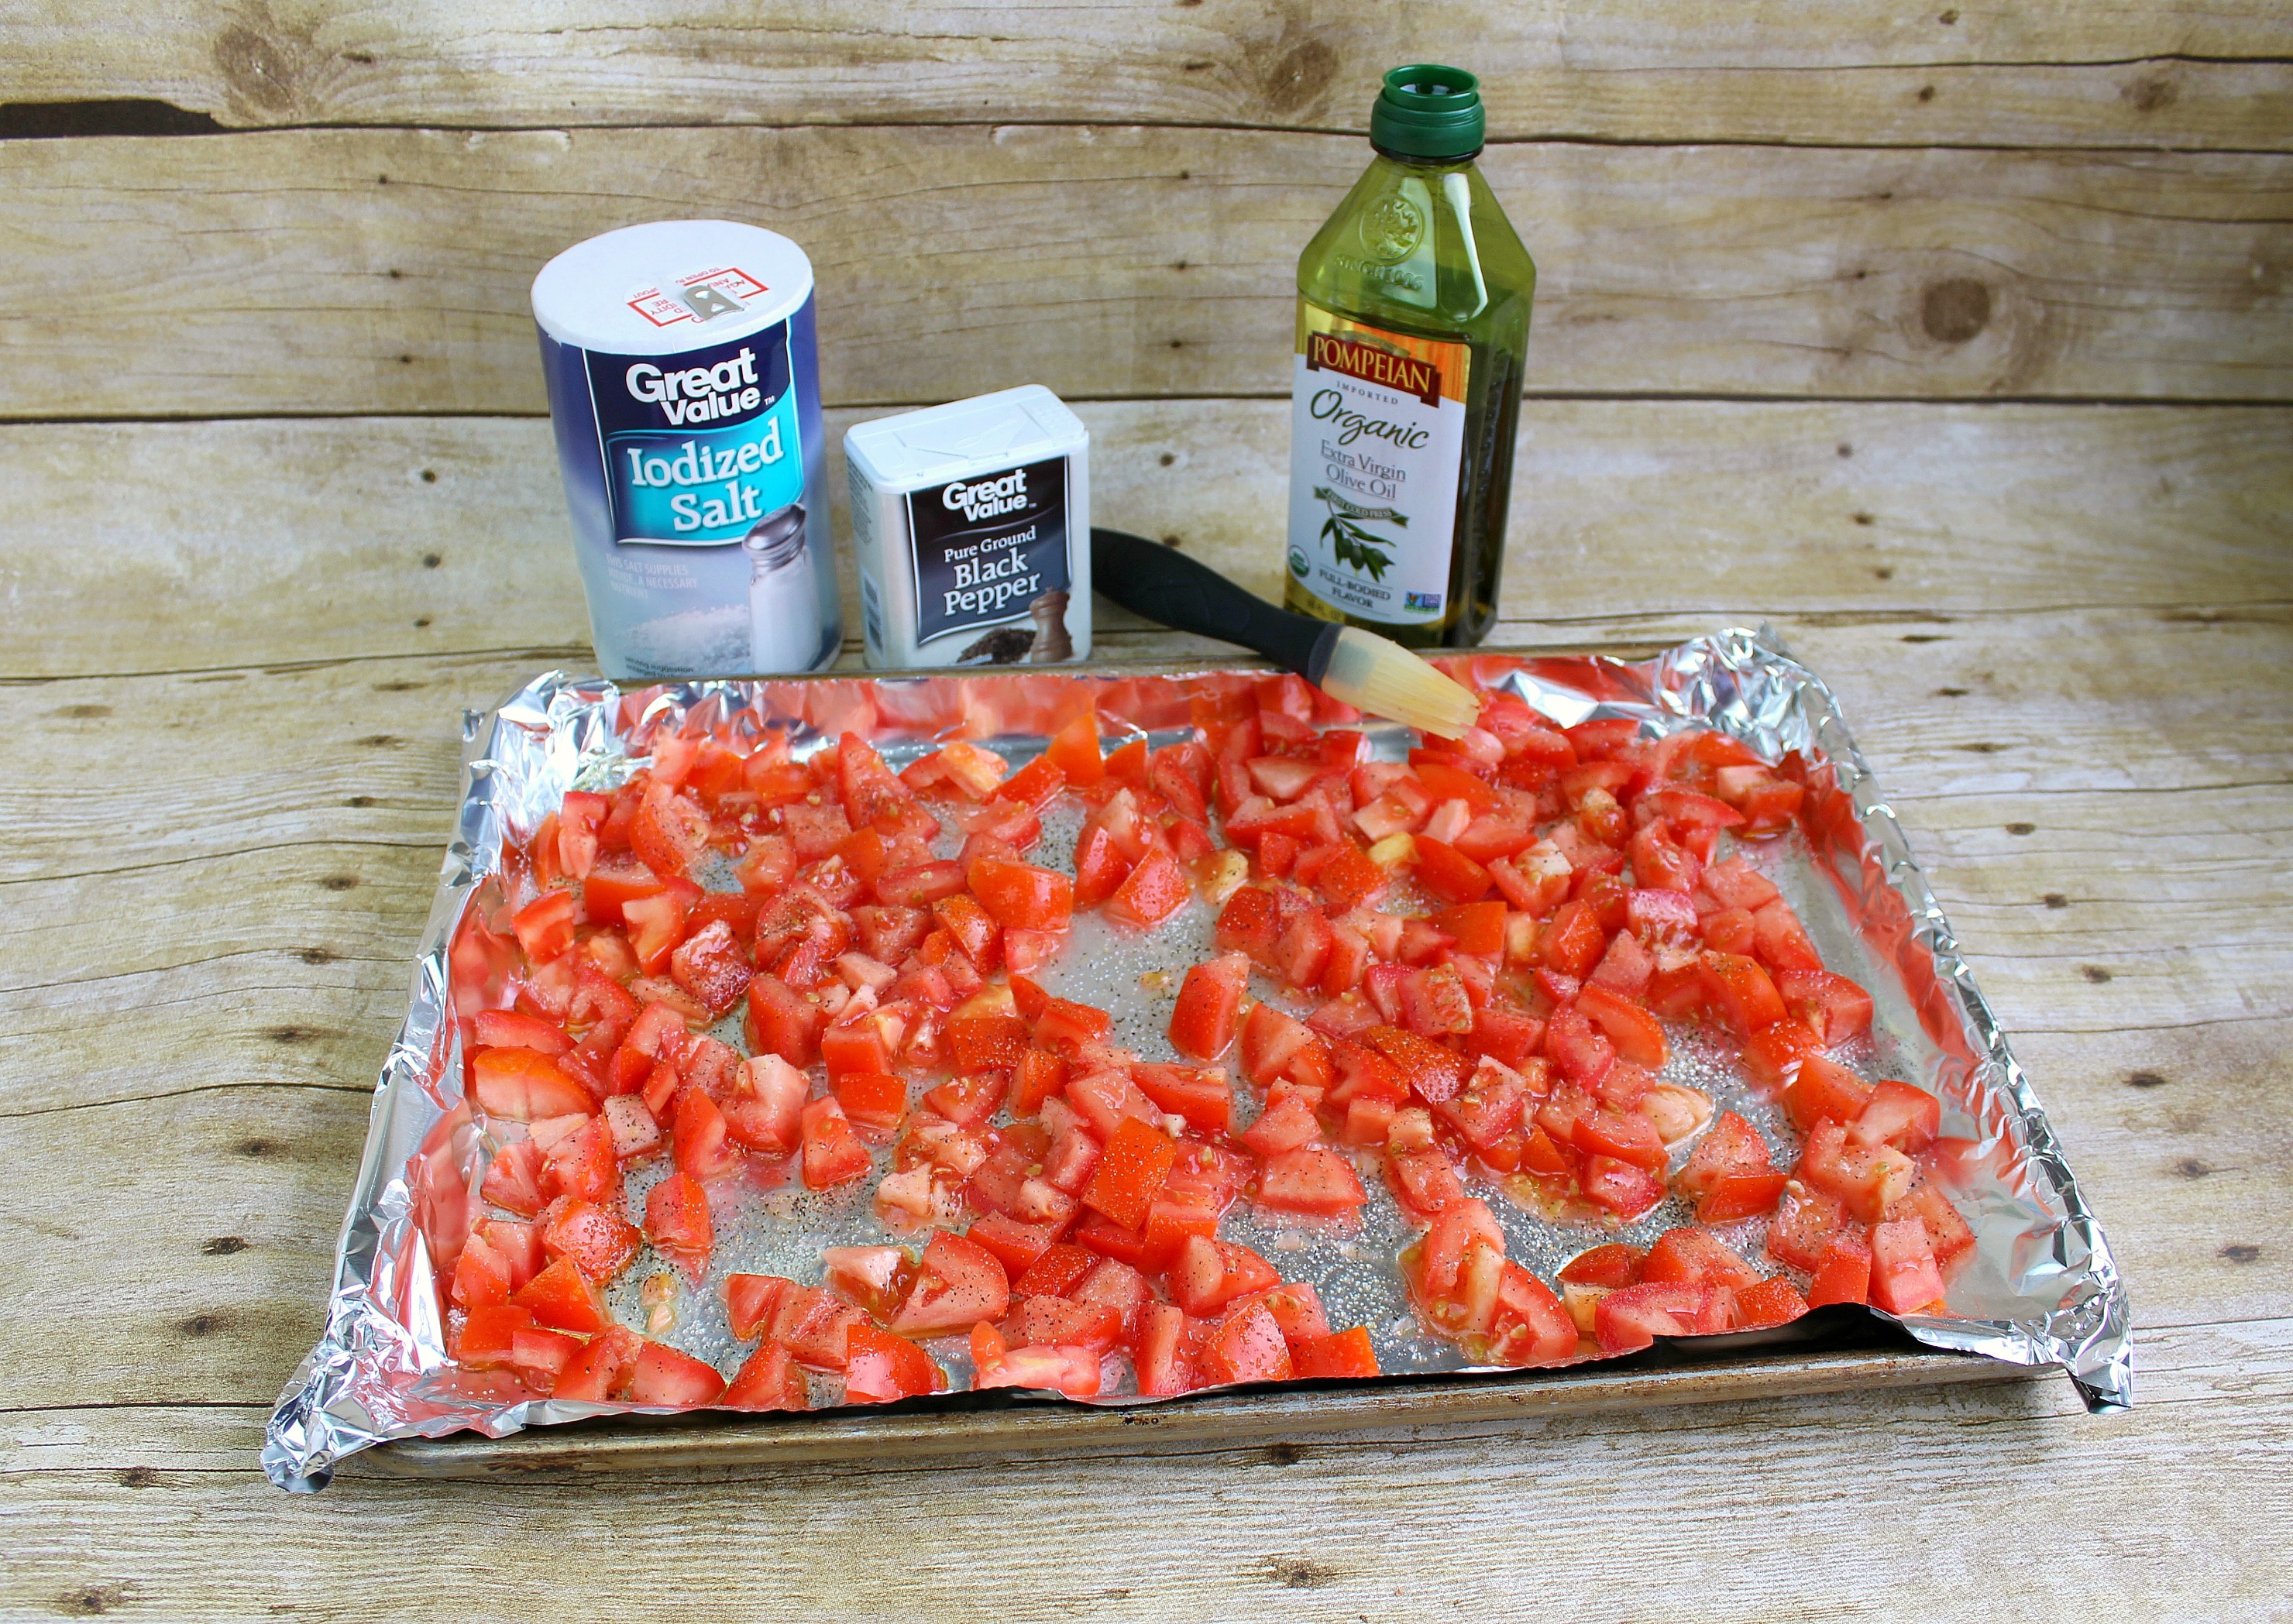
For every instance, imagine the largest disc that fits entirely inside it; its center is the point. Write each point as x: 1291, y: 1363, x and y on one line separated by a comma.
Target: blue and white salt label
x: 698, y: 447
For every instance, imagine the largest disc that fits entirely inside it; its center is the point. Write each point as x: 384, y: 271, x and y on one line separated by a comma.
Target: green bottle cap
x: 1429, y: 111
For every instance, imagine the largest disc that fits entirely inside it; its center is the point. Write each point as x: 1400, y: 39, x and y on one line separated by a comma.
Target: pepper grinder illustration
x: 783, y: 604
x: 1052, y: 645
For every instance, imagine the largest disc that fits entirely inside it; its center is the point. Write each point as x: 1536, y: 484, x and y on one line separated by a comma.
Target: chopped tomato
x: 1151, y: 892
x: 1343, y: 1355
x: 1130, y: 1172
x: 1730, y: 1174
x: 678, y: 1224
x: 523, y: 1085
x: 1311, y: 1180
x: 832, y: 1152
x: 1843, y: 1273
x: 770, y: 1380
x: 958, y: 1283
x: 1210, y: 1004
x: 665, y: 1379
x: 1209, y: 1275
x: 1904, y: 1279
x: 1247, y: 1347
x: 1825, y: 1088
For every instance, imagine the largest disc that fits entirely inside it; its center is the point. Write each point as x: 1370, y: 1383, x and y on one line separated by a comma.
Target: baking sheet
x: 2041, y: 1289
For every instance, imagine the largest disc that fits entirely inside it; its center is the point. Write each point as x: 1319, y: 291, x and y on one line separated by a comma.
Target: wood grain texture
x: 348, y: 271
x: 450, y: 537
x: 141, y: 1510
x: 2051, y: 75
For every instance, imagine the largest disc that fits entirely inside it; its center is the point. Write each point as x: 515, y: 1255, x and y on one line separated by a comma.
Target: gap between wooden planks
x: 335, y: 272
x: 2052, y: 75
x: 176, y: 546
x: 161, y: 1509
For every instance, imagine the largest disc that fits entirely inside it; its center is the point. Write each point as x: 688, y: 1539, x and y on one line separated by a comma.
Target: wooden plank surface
x: 450, y: 536
x: 1801, y: 260
x: 135, y: 1510
x: 349, y: 271
x: 2059, y: 74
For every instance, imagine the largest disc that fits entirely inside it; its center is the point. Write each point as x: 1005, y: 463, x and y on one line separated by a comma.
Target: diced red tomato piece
x: 987, y: 1041
x: 813, y: 1325
x: 1209, y: 1275
x: 1151, y: 892
x: 1904, y: 1279
x: 561, y: 1297
x: 663, y: 1377
x: 1730, y: 1173
x: 1013, y: 1244
x: 958, y: 1283
x: 1947, y: 1233
x: 1771, y: 1302
x: 1130, y: 1172
x: 1740, y: 992
x: 1825, y: 1088
x: 1050, y: 1322
x: 782, y: 1022
x: 669, y: 831
x: 1209, y: 1008
x: 1867, y: 1180
x: 1311, y: 1180
x: 1694, y: 1257
x: 1342, y: 1355
x: 1248, y: 1347
x: 1805, y: 1221
x: 1900, y: 1115
x: 546, y: 926
x: 1073, y: 1371
x: 769, y: 1380
x: 1634, y: 1317
x: 832, y: 1152
x: 1021, y: 896
x: 678, y: 1224
x: 601, y: 1371
x: 1623, y: 1187
x: 600, y: 1241
x: 1635, y: 1033
x: 881, y: 1367
x: 1835, y: 1007
x: 1842, y: 1274
x: 753, y: 1301
x: 522, y: 1084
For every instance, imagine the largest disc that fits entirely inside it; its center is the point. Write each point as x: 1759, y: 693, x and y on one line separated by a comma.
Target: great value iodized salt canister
x: 685, y: 390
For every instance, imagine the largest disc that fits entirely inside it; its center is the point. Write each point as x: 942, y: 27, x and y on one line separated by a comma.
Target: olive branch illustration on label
x: 1348, y: 540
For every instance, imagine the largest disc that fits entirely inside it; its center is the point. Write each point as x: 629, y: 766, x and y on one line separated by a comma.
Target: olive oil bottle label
x: 1377, y: 435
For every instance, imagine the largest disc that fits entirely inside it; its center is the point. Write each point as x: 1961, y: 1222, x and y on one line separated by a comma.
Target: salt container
x: 684, y: 390
x: 971, y: 529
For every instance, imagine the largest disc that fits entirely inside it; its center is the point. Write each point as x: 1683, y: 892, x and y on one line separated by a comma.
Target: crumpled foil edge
x: 341, y: 1398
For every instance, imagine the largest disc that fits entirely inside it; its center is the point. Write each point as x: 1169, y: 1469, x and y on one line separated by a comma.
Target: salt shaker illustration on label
x: 783, y: 617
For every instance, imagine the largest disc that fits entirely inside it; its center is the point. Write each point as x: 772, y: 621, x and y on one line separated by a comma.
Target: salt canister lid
x: 671, y: 286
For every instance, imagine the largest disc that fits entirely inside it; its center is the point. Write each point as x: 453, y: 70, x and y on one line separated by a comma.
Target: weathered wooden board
x: 332, y: 271
x: 450, y: 536
x: 156, y: 1511
x: 2052, y: 75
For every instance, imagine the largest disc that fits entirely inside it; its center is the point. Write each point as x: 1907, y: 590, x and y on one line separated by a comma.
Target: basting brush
x: 1351, y: 666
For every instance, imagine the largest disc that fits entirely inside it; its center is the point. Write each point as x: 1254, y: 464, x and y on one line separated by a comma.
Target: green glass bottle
x: 1412, y: 327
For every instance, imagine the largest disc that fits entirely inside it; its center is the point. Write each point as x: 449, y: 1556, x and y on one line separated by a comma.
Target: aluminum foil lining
x: 2040, y: 1288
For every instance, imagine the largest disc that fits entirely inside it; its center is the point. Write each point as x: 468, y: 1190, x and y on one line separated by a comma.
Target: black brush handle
x: 1164, y: 586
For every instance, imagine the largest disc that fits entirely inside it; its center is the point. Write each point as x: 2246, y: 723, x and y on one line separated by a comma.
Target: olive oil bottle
x: 1413, y: 325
